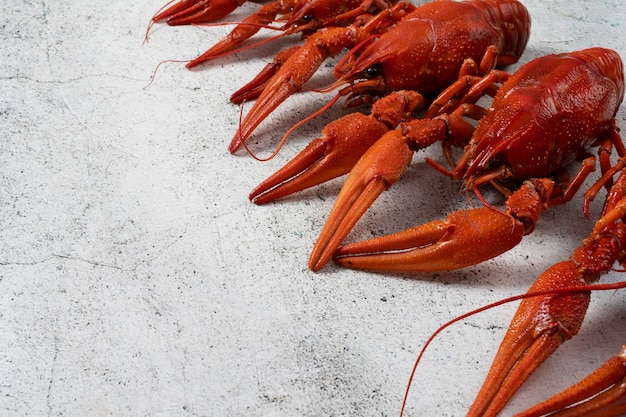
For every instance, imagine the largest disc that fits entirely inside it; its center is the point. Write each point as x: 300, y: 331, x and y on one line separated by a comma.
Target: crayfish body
x: 543, y: 322
x: 538, y: 123
x: 425, y: 50
x: 421, y: 49
x: 546, y: 115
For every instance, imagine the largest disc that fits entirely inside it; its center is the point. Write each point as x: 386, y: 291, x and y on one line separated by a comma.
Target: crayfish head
x: 304, y: 18
x: 308, y: 16
x: 365, y: 80
x: 364, y: 73
x: 378, y: 70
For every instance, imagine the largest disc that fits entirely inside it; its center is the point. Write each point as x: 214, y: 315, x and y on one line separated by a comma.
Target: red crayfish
x: 538, y: 124
x: 548, y: 114
x: 435, y: 58
x: 443, y: 35
x: 542, y: 323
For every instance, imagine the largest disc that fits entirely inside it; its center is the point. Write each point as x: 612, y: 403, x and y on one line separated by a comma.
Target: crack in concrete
x: 51, y: 376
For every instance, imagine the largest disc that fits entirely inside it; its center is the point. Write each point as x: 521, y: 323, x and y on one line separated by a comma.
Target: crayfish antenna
x: 156, y: 69
x: 293, y: 129
x: 157, y: 17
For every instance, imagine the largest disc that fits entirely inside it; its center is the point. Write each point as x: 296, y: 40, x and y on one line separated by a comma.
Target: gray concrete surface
x: 137, y: 280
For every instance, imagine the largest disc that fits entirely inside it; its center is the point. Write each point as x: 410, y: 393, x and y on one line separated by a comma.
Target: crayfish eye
x: 307, y: 18
x: 373, y: 71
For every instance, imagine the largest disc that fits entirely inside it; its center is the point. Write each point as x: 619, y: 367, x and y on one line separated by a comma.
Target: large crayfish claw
x: 380, y: 167
x: 291, y: 76
x: 543, y: 322
x: 243, y: 31
x: 342, y: 144
x: 325, y: 158
x: 539, y: 327
x: 601, y: 393
x: 465, y: 238
x: 186, y: 12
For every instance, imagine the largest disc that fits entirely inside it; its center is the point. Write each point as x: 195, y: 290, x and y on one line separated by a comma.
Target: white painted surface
x: 137, y: 280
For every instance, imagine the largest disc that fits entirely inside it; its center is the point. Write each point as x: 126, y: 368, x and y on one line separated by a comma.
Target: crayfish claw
x: 342, y: 144
x: 187, y: 12
x: 334, y: 154
x: 232, y: 42
x: 601, y: 393
x: 552, y: 313
x: 291, y: 76
x: 465, y: 238
x: 380, y: 167
x: 540, y: 325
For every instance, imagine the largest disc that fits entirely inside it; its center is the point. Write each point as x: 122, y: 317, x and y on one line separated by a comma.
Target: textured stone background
x: 137, y: 280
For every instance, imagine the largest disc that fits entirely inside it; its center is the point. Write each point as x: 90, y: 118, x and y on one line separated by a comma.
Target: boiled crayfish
x: 545, y: 116
x: 539, y: 122
x: 443, y: 35
x: 425, y: 66
x: 551, y: 312
x: 542, y: 323
x: 551, y: 95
